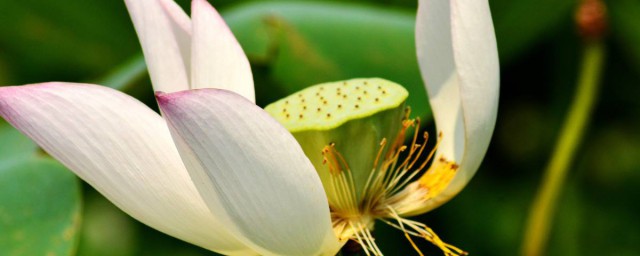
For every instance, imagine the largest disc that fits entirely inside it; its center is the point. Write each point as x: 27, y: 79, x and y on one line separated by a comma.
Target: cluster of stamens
x: 385, y: 196
x: 397, y: 184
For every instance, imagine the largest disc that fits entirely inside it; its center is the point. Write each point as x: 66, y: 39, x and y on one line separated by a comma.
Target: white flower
x: 218, y: 171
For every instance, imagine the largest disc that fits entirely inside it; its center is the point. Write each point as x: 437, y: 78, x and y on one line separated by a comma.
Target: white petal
x: 458, y: 59
x: 251, y: 172
x: 218, y: 61
x: 123, y: 149
x: 160, y: 44
x: 181, y: 27
x: 177, y: 16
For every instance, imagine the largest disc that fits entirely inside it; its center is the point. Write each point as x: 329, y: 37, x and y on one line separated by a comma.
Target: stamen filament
x: 406, y: 234
x: 426, y: 233
x: 365, y: 246
x: 389, y: 190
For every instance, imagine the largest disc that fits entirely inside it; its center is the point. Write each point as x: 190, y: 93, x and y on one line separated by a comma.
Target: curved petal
x: 218, y: 60
x: 160, y: 45
x: 181, y: 28
x: 251, y: 172
x: 177, y: 17
x: 123, y: 149
x: 458, y: 59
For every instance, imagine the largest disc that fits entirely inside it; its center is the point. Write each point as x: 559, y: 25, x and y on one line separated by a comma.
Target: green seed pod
x: 353, y: 116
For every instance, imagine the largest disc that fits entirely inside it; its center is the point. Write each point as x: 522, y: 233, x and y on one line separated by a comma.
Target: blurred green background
x: 295, y: 44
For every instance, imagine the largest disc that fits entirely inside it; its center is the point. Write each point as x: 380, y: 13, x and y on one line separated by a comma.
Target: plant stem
x: 543, y: 207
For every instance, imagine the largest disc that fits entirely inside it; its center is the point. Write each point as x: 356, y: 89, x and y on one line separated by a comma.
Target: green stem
x: 543, y: 208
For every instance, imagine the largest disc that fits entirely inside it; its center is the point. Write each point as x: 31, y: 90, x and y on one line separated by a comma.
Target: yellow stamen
x: 421, y: 230
x: 438, y: 177
x: 385, y: 194
x: 406, y: 234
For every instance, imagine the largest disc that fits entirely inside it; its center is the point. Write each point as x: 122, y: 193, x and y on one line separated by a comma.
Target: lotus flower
x: 219, y: 172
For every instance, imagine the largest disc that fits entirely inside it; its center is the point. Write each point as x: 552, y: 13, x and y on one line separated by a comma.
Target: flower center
x: 390, y: 191
x: 354, y: 132
x: 355, y: 115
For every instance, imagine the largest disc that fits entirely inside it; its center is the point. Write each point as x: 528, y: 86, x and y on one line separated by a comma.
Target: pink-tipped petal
x: 123, y: 149
x: 160, y: 44
x: 217, y: 58
x: 251, y: 172
x: 458, y: 59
